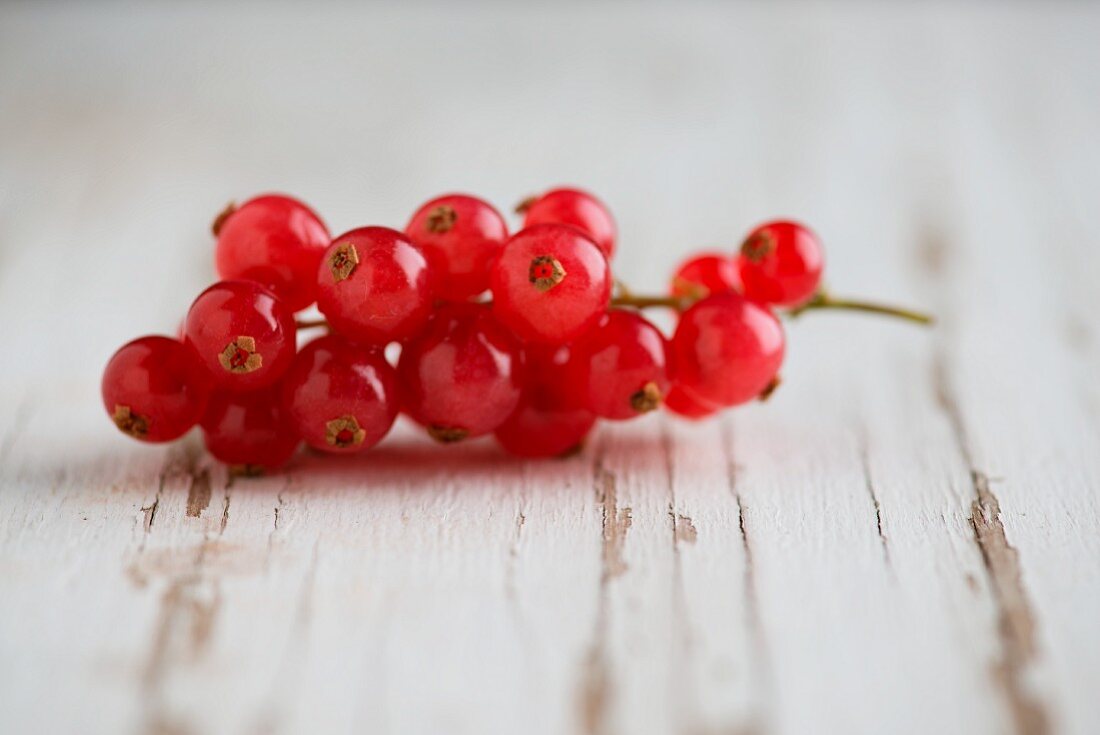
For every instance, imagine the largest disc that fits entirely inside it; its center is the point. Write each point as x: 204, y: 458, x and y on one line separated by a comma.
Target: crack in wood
x: 1016, y: 623
x: 748, y: 580
x: 595, y: 686
x: 198, y: 494
x: 865, y: 465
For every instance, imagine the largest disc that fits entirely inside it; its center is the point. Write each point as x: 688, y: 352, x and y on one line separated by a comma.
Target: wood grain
x: 905, y: 538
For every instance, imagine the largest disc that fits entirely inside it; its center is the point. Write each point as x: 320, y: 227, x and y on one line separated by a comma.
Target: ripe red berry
x: 550, y: 284
x: 249, y: 430
x: 551, y: 419
x: 374, y: 286
x: 340, y: 397
x: 460, y: 235
x: 461, y: 378
x: 242, y: 334
x: 704, y: 274
x: 154, y: 389
x: 682, y: 403
x: 575, y: 208
x: 727, y: 349
x: 623, y: 365
x: 276, y: 241
x: 780, y: 263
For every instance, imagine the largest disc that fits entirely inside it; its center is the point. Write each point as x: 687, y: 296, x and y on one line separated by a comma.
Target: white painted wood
x: 904, y: 539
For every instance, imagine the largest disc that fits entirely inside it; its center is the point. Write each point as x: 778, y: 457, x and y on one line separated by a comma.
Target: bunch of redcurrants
x: 558, y: 346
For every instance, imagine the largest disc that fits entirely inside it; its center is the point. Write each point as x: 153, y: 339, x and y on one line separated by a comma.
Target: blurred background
x: 125, y: 127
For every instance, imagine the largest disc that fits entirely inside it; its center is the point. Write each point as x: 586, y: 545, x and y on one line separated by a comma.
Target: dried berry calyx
x: 441, y: 219
x: 344, y: 432
x: 129, y: 422
x: 546, y: 272
x: 758, y: 246
x: 447, y: 434
x: 343, y: 261
x: 646, y: 399
x: 240, y: 356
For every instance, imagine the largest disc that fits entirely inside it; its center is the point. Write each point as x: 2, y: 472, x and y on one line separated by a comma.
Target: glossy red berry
x: 624, y: 370
x: 704, y: 274
x: 727, y: 350
x: 276, y: 241
x: 340, y: 397
x: 682, y: 403
x: 374, y: 286
x: 249, y: 430
x: 551, y: 419
x: 575, y: 208
x: 154, y: 389
x: 461, y: 378
x: 780, y: 263
x: 242, y: 334
x: 460, y: 235
x: 550, y: 284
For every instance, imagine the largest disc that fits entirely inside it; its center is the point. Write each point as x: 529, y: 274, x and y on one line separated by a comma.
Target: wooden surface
x: 905, y: 539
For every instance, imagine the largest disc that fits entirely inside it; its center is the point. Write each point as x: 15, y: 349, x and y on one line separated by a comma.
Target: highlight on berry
x: 525, y: 336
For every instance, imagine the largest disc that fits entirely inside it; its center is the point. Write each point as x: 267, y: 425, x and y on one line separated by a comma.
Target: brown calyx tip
x: 441, y: 219
x: 130, y: 423
x: 758, y: 246
x: 344, y: 432
x: 769, y: 389
x: 240, y: 356
x: 447, y: 434
x: 219, y: 221
x: 525, y: 204
x: 647, y: 399
x: 545, y: 272
x: 343, y: 261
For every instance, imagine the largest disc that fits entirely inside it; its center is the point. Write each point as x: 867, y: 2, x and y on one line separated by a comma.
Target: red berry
x: 550, y: 284
x: 340, y: 397
x: 251, y: 430
x: 780, y: 263
x: 704, y: 274
x: 727, y: 349
x: 460, y: 235
x: 242, y: 334
x: 624, y: 366
x: 682, y: 403
x: 551, y: 419
x: 276, y: 241
x: 575, y: 208
x: 374, y: 286
x: 461, y: 377
x: 154, y: 389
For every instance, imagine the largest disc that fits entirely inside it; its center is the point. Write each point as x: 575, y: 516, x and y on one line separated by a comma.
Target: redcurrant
x: 704, y: 274
x: 242, y: 334
x: 461, y: 377
x: 551, y: 419
x: 249, y: 430
x: 374, y: 286
x: 575, y: 208
x: 276, y: 241
x: 681, y: 403
x: 154, y: 389
x: 550, y: 284
x: 780, y: 263
x: 460, y: 235
x: 727, y: 350
x: 340, y: 397
x: 624, y: 365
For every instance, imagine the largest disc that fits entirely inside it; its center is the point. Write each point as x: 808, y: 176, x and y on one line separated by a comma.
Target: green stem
x: 825, y: 301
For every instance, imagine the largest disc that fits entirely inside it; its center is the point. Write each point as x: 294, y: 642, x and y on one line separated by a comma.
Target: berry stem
x: 823, y: 300
x: 311, y: 323
x: 637, y: 301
